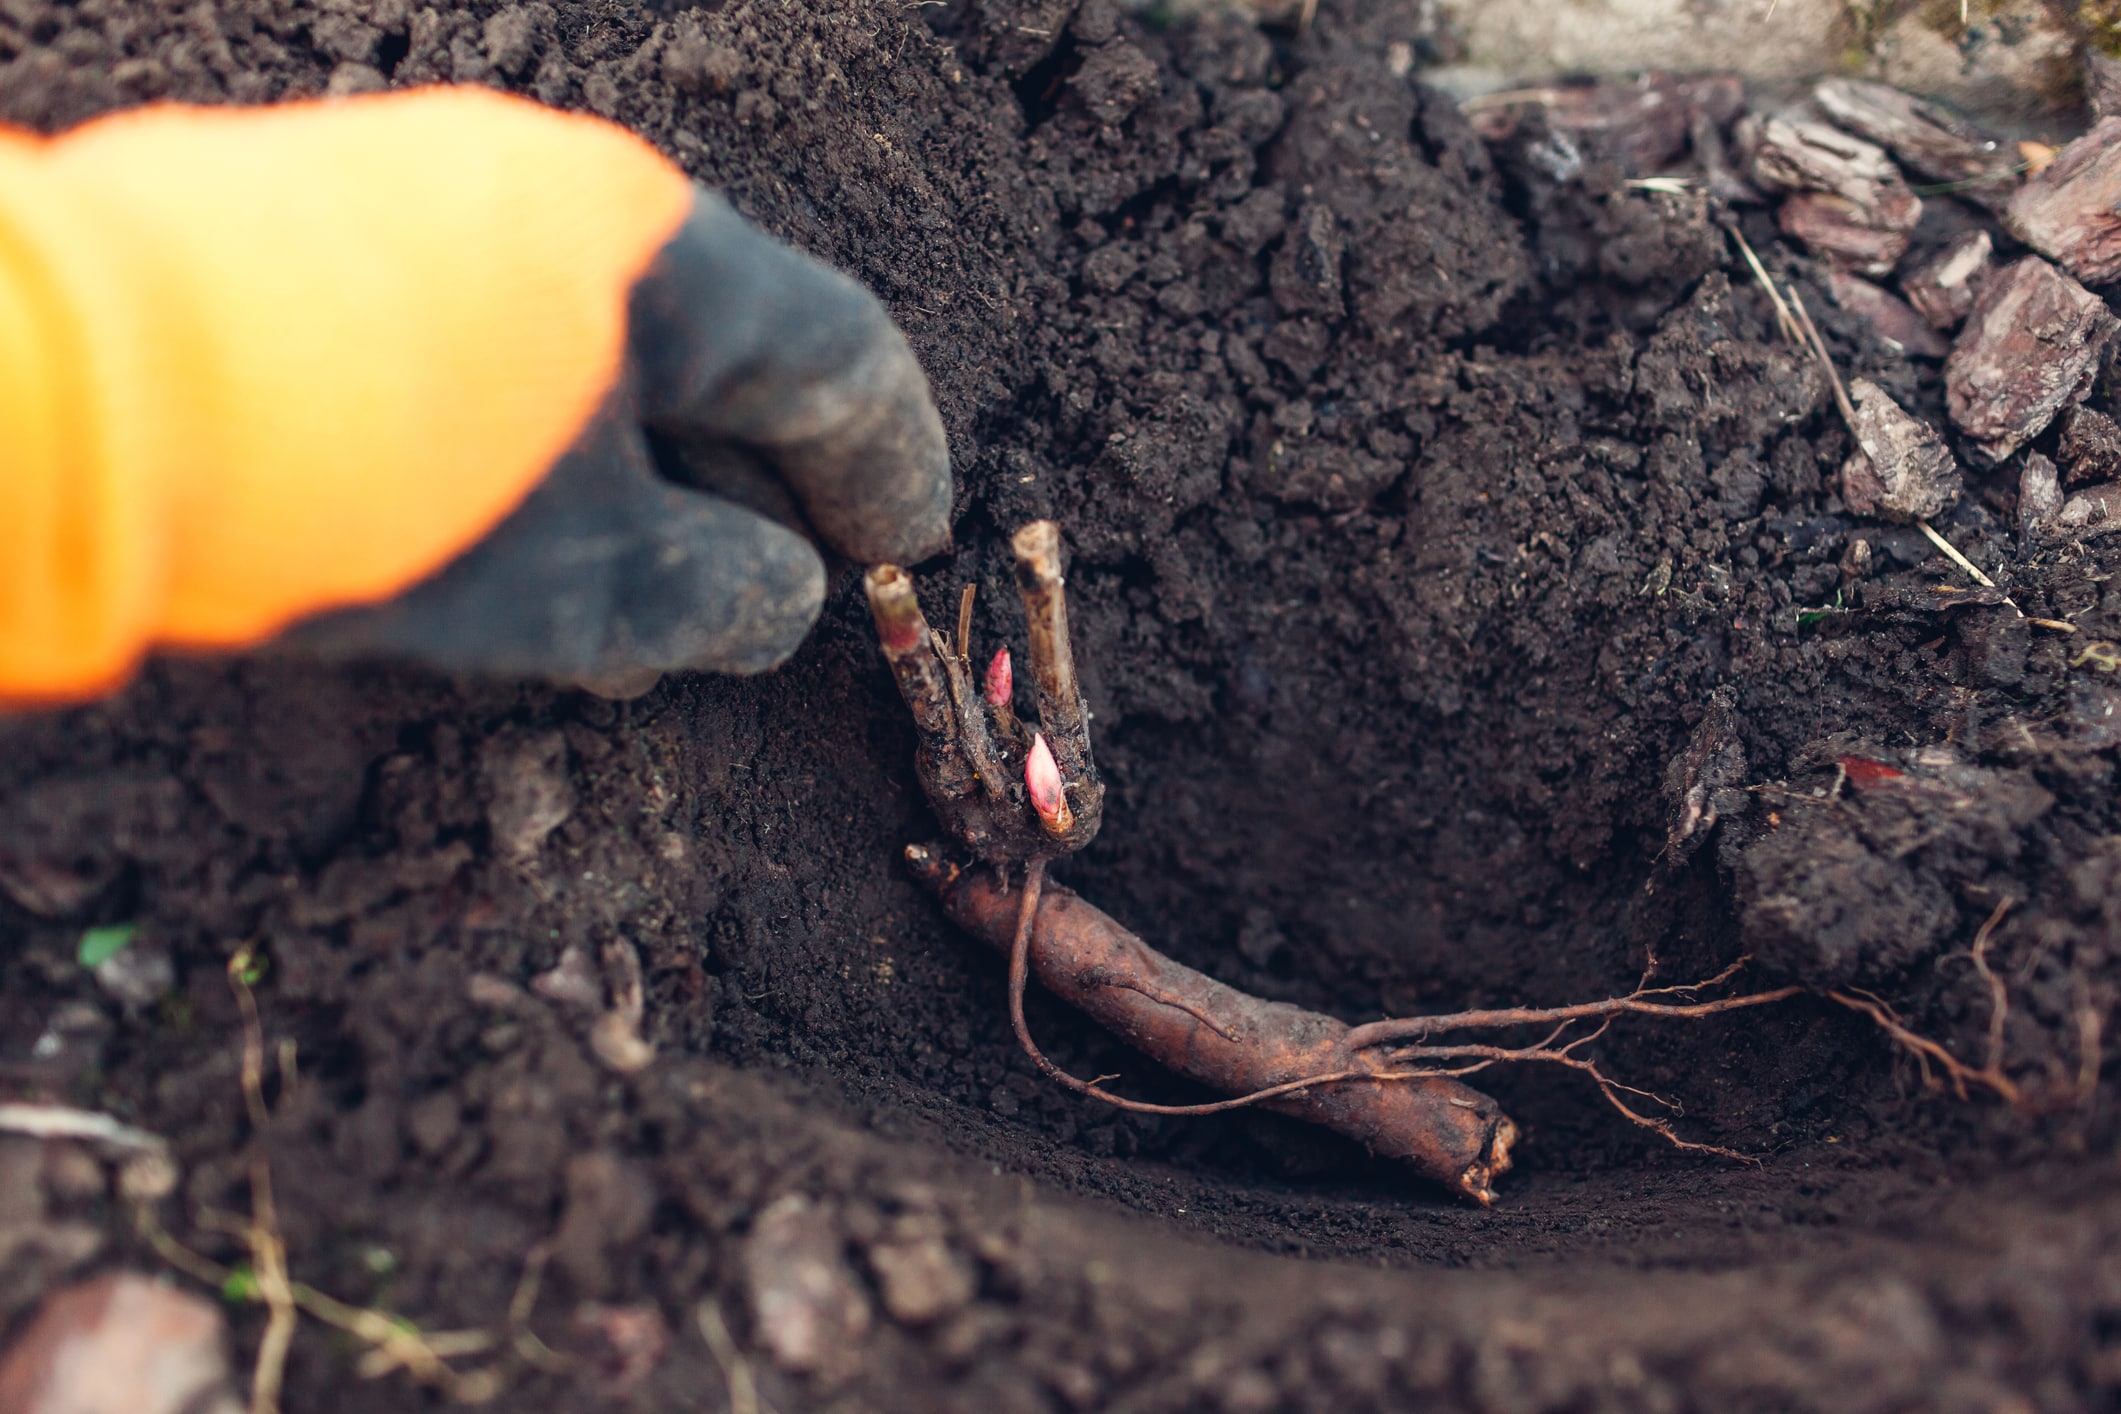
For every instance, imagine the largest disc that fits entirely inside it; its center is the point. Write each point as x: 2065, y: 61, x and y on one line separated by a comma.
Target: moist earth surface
x: 1468, y: 617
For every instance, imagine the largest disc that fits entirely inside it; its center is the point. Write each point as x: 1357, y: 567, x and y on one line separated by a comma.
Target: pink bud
x: 1042, y: 778
x: 1001, y: 682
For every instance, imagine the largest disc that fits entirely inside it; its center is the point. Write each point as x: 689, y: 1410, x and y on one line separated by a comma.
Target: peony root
x: 1017, y: 797
x: 1276, y: 1055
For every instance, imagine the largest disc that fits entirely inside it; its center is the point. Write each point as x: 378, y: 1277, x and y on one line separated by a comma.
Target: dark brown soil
x: 1438, y: 529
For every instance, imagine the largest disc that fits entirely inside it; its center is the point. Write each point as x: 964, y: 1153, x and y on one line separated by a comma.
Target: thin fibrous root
x: 1999, y: 999
x: 1282, y: 1057
x: 1990, y: 1076
x: 1546, y: 1052
x: 1927, y: 1051
x: 1635, y: 1003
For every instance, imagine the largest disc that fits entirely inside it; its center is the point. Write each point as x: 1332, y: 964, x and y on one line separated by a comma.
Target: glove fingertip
x: 771, y: 585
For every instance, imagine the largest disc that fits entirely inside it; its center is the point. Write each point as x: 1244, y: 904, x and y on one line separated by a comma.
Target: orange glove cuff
x: 259, y: 363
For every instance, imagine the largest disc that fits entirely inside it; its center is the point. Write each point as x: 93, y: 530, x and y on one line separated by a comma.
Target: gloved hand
x: 373, y: 377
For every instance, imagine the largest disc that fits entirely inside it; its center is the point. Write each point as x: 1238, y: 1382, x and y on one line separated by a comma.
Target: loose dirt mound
x: 1449, y: 543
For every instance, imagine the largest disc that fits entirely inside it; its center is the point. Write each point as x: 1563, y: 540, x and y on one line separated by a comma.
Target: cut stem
x: 1061, y: 714
x: 909, y: 647
x: 1060, y: 697
x: 964, y: 623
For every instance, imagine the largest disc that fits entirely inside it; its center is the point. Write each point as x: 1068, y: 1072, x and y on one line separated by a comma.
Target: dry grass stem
x: 1951, y: 552
x: 1817, y: 344
x: 393, y: 1343
x: 525, y: 1341
x: 1784, y: 320
x: 742, y: 1386
x: 40, y: 1121
x: 268, y: 1251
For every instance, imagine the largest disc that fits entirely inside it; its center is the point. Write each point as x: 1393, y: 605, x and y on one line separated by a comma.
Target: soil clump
x: 1468, y: 612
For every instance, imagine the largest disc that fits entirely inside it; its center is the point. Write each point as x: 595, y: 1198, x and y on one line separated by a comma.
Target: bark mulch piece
x: 2071, y: 211
x: 1945, y: 288
x: 2088, y: 444
x: 2032, y: 345
x: 1847, y: 200
x: 1925, y: 138
x: 1893, y: 318
x: 1901, y: 468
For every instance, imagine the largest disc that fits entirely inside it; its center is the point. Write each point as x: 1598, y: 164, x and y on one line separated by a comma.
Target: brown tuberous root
x: 1394, y: 1086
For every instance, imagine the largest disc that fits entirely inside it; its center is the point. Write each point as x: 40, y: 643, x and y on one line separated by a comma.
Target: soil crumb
x: 1468, y: 612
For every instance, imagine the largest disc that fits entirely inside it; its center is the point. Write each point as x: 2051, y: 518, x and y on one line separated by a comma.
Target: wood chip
x: 2032, y: 345
x: 1902, y: 469
x: 2094, y: 511
x: 1944, y: 290
x: 2102, y: 84
x: 2071, y: 212
x: 2039, y: 493
x: 1892, y: 318
x: 1927, y: 140
x: 1643, y: 124
x: 2089, y: 446
x: 1847, y: 199
x: 1845, y: 232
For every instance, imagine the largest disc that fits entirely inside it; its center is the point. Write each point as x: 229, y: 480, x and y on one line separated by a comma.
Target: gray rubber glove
x: 782, y: 396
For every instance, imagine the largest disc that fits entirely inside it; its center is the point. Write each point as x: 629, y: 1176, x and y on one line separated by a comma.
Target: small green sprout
x: 1806, y: 618
x: 241, y: 1284
x: 247, y: 966
x: 100, y: 945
